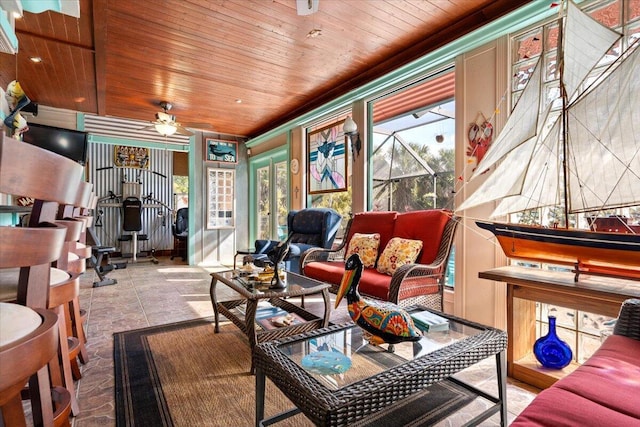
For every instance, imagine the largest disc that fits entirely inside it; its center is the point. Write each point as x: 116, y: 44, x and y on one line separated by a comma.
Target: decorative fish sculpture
x: 387, y: 322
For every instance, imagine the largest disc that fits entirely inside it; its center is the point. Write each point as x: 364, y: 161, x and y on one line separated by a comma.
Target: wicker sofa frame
x: 409, y: 279
x: 628, y: 323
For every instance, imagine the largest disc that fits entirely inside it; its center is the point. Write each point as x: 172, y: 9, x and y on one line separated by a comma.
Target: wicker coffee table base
x: 247, y: 323
x: 355, y: 402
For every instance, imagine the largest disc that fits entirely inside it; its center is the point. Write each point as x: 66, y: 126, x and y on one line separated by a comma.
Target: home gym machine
x: 131, y: 204
x: 101, y: 260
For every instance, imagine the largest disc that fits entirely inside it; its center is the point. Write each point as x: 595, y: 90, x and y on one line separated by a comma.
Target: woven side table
x: 248, y: 295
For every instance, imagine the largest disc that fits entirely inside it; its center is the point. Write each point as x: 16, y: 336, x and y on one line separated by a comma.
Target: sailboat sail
x: 582, y: 53
x: 540, y: 171
x: 595, y: 161
x: 522, y: 125
x: 606, y: 169
x: 540, y: 185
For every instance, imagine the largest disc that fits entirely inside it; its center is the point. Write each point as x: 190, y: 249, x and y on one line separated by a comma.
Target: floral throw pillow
x: 365, y: 245
x: 398, y: 253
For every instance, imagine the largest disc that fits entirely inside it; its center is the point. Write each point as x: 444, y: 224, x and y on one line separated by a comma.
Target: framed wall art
x: 221, y: 151
x: 131, y: 157
x: 327, y: 162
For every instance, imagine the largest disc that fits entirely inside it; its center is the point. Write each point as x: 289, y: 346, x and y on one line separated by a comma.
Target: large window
x: 528, y: 46
x: 413, y: 150
x: 412, y: 160
x: 581, y: 329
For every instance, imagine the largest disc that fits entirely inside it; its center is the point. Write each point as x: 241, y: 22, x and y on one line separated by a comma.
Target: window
x: 581, y: 329
x: 180, y: 192
x: 412, y: 161
x: 526, y: 47
x: 269, y: 195
x: 221, y: 198
x: 413, y: 150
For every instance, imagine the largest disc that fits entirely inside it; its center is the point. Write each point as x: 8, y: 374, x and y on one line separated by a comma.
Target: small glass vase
x: 550, y: 350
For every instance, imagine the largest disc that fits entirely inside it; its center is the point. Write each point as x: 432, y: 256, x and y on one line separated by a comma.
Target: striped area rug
x: 184, y: 374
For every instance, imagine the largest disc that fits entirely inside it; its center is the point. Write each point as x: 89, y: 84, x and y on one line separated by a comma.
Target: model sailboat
x: 584, y: 157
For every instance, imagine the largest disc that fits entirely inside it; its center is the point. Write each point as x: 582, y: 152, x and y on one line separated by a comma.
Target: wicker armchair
x: 410, y: 284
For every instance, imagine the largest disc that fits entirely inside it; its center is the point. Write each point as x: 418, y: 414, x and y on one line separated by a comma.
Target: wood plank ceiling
x: 122, y: 57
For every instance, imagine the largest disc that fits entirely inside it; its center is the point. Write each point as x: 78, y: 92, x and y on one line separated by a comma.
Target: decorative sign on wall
x: 131, y: 157
x: 327, y: 161
x: 221, y: 151
x: 480, y: 136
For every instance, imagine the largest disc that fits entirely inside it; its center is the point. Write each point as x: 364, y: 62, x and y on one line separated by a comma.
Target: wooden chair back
x: 51, y: 180
x: 30, y: 171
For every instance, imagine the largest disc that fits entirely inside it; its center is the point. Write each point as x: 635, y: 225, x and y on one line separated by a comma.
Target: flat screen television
x: 72, y: 144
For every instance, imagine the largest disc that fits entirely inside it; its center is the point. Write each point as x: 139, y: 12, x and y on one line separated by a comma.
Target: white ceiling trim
x: 128, y: 129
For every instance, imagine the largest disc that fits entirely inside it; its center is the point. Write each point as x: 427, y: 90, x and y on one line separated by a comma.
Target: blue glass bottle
x: 550, y: 350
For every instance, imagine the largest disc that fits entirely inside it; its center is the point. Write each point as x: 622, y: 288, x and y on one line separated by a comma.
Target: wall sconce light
x: 248, y: 152
x: 350, y: 128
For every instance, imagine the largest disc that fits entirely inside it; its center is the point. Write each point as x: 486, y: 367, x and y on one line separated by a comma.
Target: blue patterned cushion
x: 308, y: 239
x: 308, y: 222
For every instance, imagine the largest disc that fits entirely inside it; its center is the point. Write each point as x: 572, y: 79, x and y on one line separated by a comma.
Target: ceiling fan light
x: 165, y: 129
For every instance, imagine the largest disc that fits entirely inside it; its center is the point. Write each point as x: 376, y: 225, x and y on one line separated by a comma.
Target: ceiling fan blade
x: 183, y: 131
x: 195, y: 125
x: 152, y: 126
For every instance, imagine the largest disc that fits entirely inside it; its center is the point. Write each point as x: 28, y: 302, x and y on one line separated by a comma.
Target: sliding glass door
x: 269, y: 195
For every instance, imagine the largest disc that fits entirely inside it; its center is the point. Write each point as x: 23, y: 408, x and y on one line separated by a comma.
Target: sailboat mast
x: 565, y: 133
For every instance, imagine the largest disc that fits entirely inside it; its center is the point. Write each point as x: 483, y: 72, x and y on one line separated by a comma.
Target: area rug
x: 183, y: 374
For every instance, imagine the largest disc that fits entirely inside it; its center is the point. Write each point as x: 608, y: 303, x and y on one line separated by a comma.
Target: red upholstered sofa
x: 417, y: 283
x: 604, y: 391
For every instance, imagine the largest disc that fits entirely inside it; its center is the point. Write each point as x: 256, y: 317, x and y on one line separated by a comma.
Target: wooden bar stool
x: 79, y: 211
x: 32, y: 250
x: 51, y: 180
x: 83, y: 204
x: 70, y: 261
x: 61, y: 297
x: 28, y: 343
x: 60, y: 287
x: 64, y: 294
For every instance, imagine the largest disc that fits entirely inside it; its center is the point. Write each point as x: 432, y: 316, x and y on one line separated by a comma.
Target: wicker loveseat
x: 603, y: 391
x: 420, y: 282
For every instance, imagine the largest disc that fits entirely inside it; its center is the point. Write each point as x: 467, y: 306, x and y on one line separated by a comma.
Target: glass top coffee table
x: 241, y: 306
x: 336, y: 378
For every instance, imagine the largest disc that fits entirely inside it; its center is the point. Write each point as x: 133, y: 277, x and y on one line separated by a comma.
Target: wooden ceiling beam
x: 99, y: 40
x: 55, y: 40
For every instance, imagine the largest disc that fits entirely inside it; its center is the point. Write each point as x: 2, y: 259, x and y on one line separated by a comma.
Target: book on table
x: 430, y: 322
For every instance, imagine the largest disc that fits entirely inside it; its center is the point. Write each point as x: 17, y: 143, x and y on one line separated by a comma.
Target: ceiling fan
x: 166, y: 124
x: 307, y: 7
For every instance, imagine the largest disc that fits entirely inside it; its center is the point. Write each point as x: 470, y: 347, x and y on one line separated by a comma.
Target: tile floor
x: 154, y: 294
